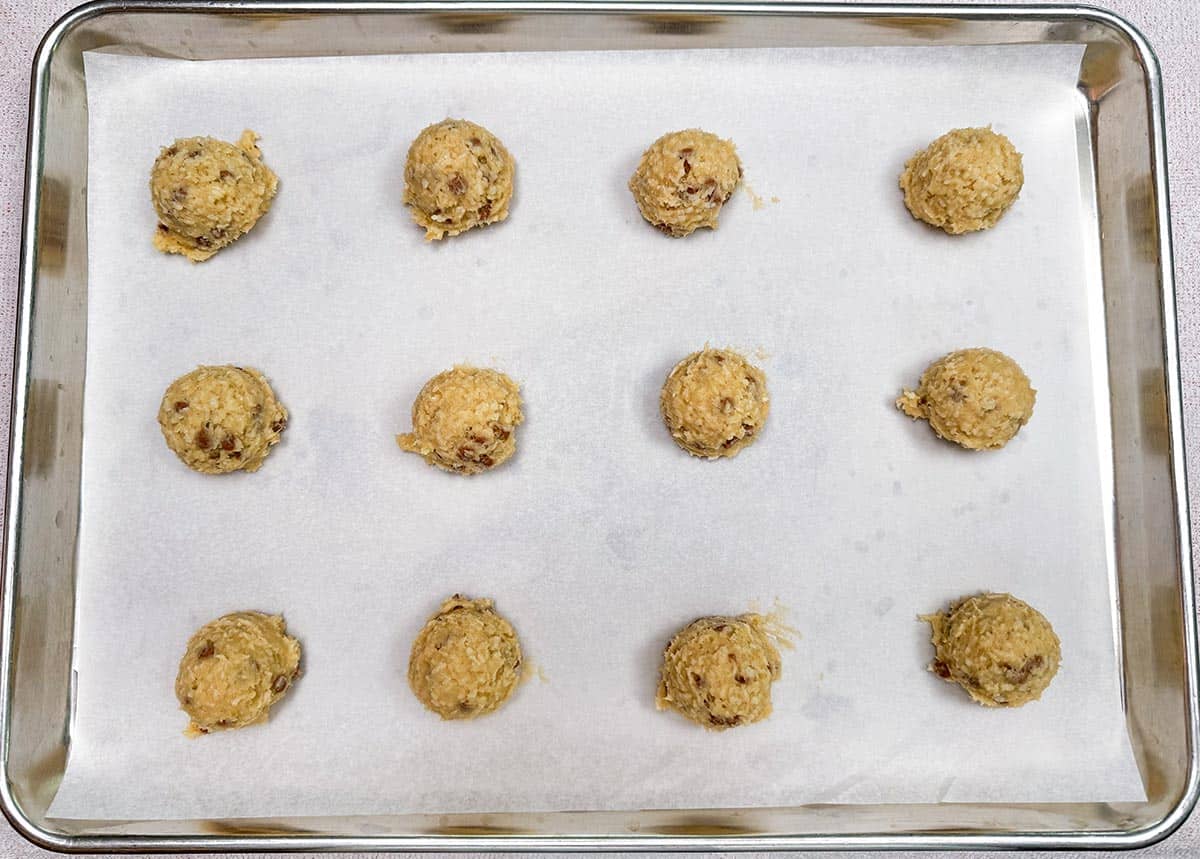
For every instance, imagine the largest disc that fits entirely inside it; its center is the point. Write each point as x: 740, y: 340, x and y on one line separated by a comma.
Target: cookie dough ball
x: 458, y: 176
x: 221, y: 419
x: 963, y: 181
x: 718, y: 672
x: 684, y: 179
x: 234, y: 670
x: 464, y: 420
x: 465, y: 660
x: 998, y: 648
x: 208, y: 193
x: 714, y: 403
x: 977, y: 398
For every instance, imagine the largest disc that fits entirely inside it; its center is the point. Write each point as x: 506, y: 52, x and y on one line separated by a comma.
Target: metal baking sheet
x: 989, y: 817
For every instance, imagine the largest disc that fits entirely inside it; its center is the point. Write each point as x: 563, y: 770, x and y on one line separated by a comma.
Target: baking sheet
x: 600, y: 538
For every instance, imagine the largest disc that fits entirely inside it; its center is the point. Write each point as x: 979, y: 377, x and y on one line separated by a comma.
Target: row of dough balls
x: 714, y: 403
x: 458, y: 175
x: 717, y: 671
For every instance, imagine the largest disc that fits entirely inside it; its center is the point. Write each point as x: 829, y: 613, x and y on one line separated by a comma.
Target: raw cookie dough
x: 235, y: 668
x: 978, y: 398
x: 998, y: 648
x: 718, y: 671
x: 208, y: 193
x: 221, y: 419
x: 465, y: 660
x: 963, y: 181
x: 683, y: 180
x: 458, y: 176
x: 714, y: 403
x: 464, y: 420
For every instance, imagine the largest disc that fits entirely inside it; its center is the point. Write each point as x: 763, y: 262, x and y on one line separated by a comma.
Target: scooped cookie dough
x: 714, y: 403
x: 208, y: 193
x: 221, y: 419
x: 465, y: 660
x: 235, y: 668
x: 998, y: 648
x: 977, y: 398
x: 458, y: 176
x: 684, y: 179
x: 717, y: 671
x: 464, y: 420
x: 963, y: 181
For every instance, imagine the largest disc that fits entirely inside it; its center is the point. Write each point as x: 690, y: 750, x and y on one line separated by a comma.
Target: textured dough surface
x: 963, y: 181
x: 977, y: 398
x: 714, y: 403
x: 458, y: 175
x: 717, y: 671
x: 235, y: 668
x: 221, y: 419
x: 464, y: 420
x: 684, y: 179
x: 998, y: 648
x: 208, y: 193
x: 465, y: 660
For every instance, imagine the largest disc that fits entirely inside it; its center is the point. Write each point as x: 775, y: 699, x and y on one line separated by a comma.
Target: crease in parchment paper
x: 600, y: 538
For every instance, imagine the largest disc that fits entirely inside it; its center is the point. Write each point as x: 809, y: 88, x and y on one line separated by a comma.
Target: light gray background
x: 1172, y: 27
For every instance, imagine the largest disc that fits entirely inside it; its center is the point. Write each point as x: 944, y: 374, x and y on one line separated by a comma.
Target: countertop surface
x: 1171, y: 26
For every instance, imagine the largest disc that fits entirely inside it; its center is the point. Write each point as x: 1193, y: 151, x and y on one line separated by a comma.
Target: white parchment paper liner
x: 600, y: 538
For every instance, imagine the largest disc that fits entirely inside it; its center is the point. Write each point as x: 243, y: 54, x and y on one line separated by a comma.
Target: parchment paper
x: 600, y: 538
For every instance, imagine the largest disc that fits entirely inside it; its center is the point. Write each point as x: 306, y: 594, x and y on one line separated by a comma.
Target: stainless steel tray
x: 1120, y: 80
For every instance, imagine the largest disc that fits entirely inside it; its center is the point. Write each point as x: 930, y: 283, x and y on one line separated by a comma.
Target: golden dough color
x: 221, y: 419
x: 977, y: 398
x: 717, y: 671
x: 684, y: 179
x: 998, y: 648
x: 963, y: 181
x: 208, y: 193
x: 235, y: 668
x: 465, y: 660
x: 458, y: 175
x: 464, y: 420
x: 714, y: 403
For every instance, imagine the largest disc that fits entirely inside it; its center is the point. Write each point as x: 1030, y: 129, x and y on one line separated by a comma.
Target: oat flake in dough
x: 684, y: 179
x: 234, y: 669
x: 458, y: 175
x: 717, y: 671
x: 465, y: 420
x: 221, y: 419
x: 714, y: 403
x: 976, y: 398
x: 1001, y: 650
x: 963, y: 181
x: 466, y: 660
x: 208, y: 193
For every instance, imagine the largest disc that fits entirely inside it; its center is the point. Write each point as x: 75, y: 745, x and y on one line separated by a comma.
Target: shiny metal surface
x: 1153, y: 593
